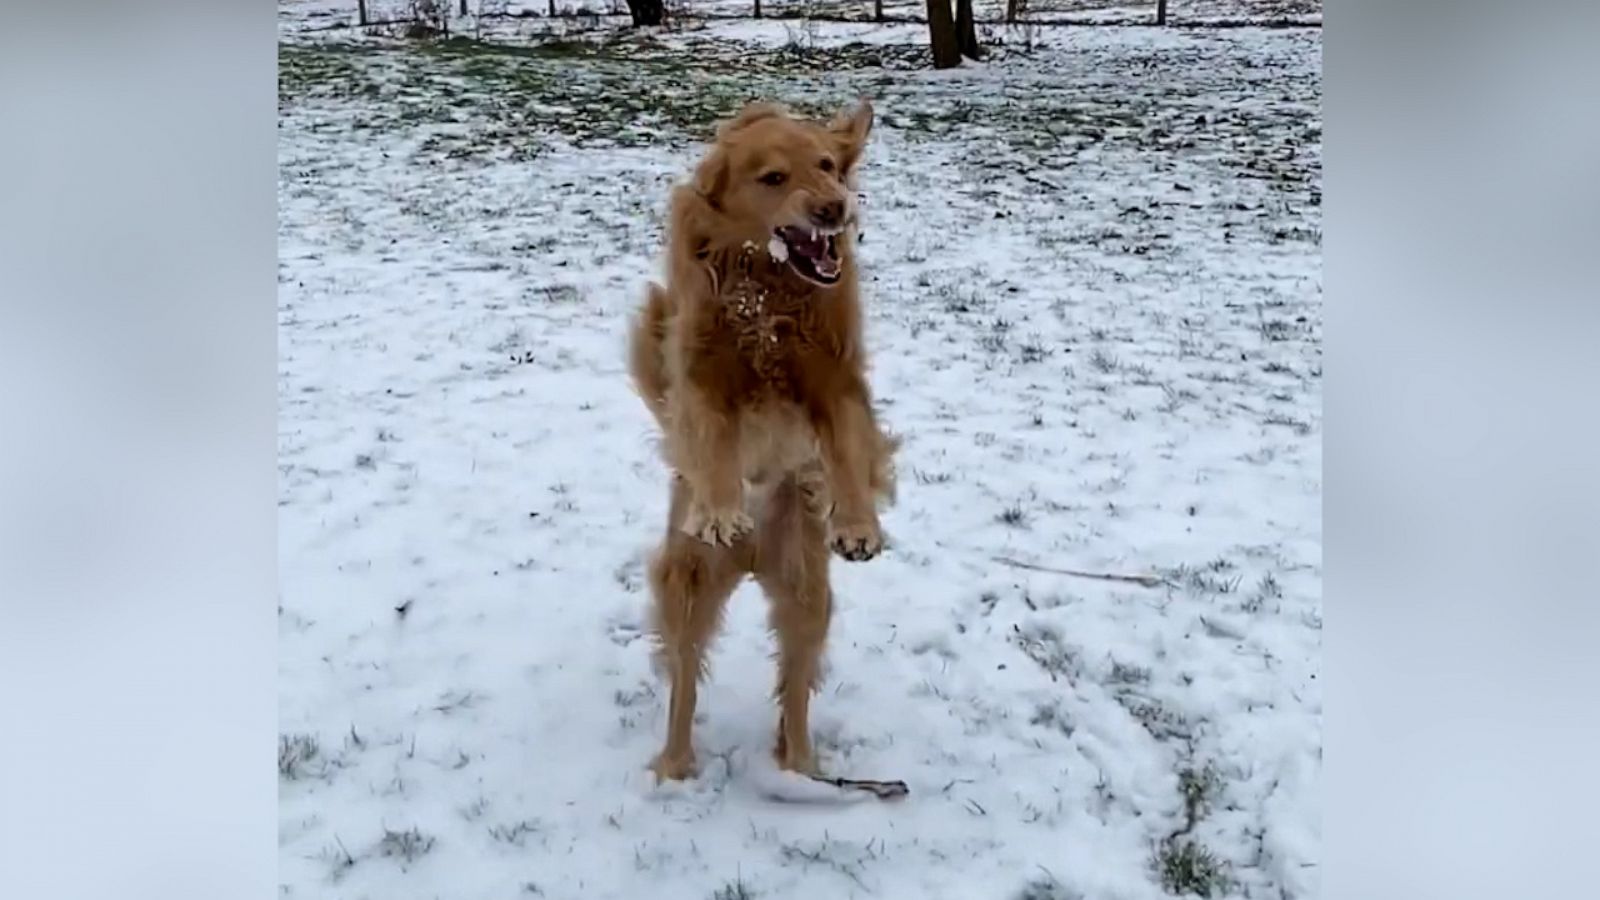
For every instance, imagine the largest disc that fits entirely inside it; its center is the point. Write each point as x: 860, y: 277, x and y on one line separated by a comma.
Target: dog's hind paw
x: 717, y: 527
x: 673, y: 768
x: 801, y: 762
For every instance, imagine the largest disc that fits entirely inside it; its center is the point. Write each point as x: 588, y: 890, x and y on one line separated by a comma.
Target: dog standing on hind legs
x: 751, y: 361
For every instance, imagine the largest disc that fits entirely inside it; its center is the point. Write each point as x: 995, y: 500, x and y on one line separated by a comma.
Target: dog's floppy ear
x: 689, y: 229
x: 711, y: 177
x: 851, y: 128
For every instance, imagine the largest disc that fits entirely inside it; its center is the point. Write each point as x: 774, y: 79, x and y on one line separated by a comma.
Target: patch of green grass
x: 1047, y: 888
x: 1013, y: 516
x: 515, y: 98
x: 1209, y: 580
x: 1187, y: 867
x: 295, y: 753
x: 514, y: 833
x: 1162, y: 723
x: 1042, y: 644
x: 304, y: 72
x: 622, y: 87
x: 629, y: 90
x: 1051, y: 716
x: 1126, y: 673
x: 1199, y: 787
x: 1183, y: 864
x: 408, y: 845
x: 734, y: 890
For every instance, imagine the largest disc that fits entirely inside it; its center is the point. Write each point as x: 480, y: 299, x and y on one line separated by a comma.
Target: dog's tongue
x: 815, y: 247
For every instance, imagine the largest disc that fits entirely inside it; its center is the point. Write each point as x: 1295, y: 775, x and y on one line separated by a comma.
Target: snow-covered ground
x: 1094, y: 289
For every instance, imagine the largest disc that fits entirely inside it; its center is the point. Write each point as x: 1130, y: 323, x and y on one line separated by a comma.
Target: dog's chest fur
x: 775, y: 322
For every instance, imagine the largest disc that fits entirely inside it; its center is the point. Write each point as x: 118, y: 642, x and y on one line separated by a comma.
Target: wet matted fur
x: 751, y: 360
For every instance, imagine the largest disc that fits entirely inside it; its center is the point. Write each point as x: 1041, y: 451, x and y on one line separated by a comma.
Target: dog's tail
x: 646, y: 351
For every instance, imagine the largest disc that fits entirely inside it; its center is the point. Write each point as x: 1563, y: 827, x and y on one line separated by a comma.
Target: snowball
x: 777, y: 249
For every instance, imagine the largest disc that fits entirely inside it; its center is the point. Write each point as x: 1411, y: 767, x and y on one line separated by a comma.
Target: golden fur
x: 756, y: 373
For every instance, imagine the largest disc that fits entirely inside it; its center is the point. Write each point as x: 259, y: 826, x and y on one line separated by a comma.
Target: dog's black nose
x: 828, y: 215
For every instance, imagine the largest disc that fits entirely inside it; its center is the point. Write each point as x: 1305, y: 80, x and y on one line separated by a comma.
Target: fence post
x: 1161, y: 12
x: 877, y: 10
x: 463, y: 9
x: 758, y: 9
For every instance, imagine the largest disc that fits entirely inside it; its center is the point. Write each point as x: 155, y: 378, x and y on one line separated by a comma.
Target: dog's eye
x: 773, y: 179
x: 826, y: 165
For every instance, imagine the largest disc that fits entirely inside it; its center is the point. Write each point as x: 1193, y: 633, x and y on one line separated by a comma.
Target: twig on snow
x: 883, y: 790
x: 1148, y: 581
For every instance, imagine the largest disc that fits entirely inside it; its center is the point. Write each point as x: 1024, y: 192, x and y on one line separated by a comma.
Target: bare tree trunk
x: 552, y: 6
x: 942, y: 35
x: 361, y: 12
x: 877, y: 10
x: 647, y: 12
x: 966, y: 31
x: 463, y: 9
x: 758, y: 9
x: 1161, y: 12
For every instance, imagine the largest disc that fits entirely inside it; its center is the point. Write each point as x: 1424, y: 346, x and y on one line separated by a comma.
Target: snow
x: 777, y: 249
x: 1093, y: 284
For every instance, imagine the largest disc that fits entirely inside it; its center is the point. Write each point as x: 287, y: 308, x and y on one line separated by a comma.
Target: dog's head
x: 771, y: 175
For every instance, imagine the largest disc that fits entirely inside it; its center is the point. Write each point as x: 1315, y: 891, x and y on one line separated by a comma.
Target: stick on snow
x: 885, y: 790
x: 1149, y: 581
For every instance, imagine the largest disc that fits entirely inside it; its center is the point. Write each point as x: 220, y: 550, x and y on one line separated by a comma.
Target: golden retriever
x: 750, y: 358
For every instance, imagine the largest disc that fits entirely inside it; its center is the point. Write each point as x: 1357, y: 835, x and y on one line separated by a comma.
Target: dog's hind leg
x: 791, y: 565
x: 690, y: 582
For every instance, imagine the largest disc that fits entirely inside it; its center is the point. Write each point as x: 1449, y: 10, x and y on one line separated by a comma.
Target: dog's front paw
x: 717, y: 526
x: 857, y: 541
x: 673, y: 768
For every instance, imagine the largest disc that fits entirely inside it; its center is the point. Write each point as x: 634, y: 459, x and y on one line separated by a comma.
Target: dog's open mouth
x: 811, y: 253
